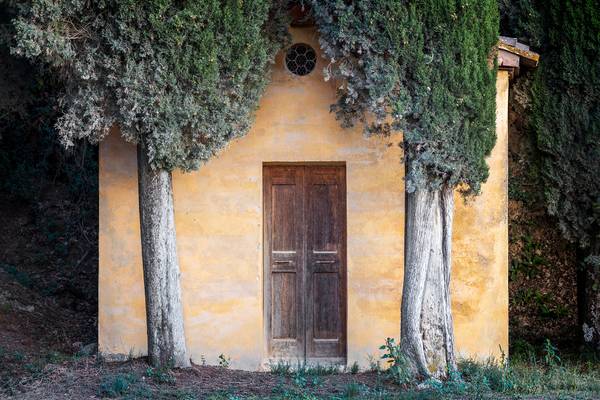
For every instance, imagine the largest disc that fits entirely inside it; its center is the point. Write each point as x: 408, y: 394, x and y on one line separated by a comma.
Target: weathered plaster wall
x: 219, y: 232
x: 480, y: 252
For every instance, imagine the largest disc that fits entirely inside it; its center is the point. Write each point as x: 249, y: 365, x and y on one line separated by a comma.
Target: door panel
x: 305, y: 261
x: 283, y: 260
x: 326, y: 256
x: 284, y: 320
x: 326, y: 304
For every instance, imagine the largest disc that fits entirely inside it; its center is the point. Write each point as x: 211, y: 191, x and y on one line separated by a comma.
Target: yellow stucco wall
x: 218, y: 216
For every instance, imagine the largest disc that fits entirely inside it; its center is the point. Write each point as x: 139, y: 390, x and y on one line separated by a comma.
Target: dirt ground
x: 89, y: 379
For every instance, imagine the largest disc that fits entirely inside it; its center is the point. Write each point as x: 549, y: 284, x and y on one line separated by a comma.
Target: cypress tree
x: 424, y: 68
x: 565, y: 122
x: 178, y: 78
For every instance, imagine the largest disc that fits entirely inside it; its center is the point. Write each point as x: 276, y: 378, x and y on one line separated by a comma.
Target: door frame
x: 268, y: 359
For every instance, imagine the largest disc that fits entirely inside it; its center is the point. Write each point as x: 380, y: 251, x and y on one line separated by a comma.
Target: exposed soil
x: 88, y: 379
x: 48, y: 281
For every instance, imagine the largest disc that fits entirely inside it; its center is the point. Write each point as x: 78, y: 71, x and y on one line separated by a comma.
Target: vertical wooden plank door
x: 305, y: 262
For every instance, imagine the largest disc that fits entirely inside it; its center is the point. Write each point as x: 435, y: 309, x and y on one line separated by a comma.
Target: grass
x: 530, y: 374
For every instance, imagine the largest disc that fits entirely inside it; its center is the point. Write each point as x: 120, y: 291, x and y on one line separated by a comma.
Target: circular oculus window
x: 300, y: 59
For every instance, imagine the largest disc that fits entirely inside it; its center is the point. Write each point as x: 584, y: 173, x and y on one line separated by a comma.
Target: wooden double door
x: 305, y: 262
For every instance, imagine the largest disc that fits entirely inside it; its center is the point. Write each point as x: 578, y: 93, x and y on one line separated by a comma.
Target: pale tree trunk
x: 427, y: 336
x: 590, y: 298
x: 164, y: 314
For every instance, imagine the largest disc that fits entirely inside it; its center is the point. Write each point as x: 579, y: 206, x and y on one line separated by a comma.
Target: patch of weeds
x: 300, y: 379
x: 281, y: 368
x: 319, y: 370
x: 549, y: 374
x: 545, y: 303
x: 551, y: 357
x: 399, y: 367
x: 516, y: 192
x: 140, y: 391
x: 528, y: 261
x: 374, y: 365
x: 18, y: 356
x: 182, y: 394
x: 55, y: 357
x: 224, y: 362
x: 35, y: 368
x: 354, y: 368
x: 487, y: 376
x: 522, y: 350
x: 352, y: 390
x: 162, y: 375
x: 116, y: 385
x: 21, y: 277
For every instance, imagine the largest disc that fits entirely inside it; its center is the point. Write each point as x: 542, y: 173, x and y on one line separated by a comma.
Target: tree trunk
x: 427, y: 336
x: 164, y: 314
x: 591, y: 298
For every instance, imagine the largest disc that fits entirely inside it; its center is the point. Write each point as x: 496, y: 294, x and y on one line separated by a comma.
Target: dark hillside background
x: 543, y: 265
x: 48, y: 225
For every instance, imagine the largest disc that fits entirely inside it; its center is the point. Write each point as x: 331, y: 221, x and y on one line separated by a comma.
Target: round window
x: 300, y: 59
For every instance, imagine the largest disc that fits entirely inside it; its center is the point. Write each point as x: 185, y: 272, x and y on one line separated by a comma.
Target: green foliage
x: 224, y: 361
x: 399, y: 366
x: 161, y: 375
x: 566, y: 116
x: 521, y: 19
x: 528, y: 260
x: 545, y: 304
x: 354, y: 368
x: 548, y: 373
x: 21, y: 277
x: 184, y: 77
x: 352, y: 390
x: 117, y: 385
x: 566, y: 107
x: 16, y: 90
x: 30, y: 154
x: 423, y: 68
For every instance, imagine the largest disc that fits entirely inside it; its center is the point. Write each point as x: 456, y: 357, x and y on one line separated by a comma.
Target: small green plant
x: 352, y: 390
x: 161, y: 375
x: 18, y: 356
x: 224, y: 362
x: 21, y: 277
x: 117, y: 385
x: 399, y: 367
x: 55, y: 357
x: 522, y: 350
x: 181, y: 394
x: 545, y: 303
x: 354, y: 368
x: 551, y: 357
x: 320, y: 370
x: 529, y: 260
x: 374, y: 364
x: 34, y: 368
x: 281, y: 368
x: 490, y: 375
